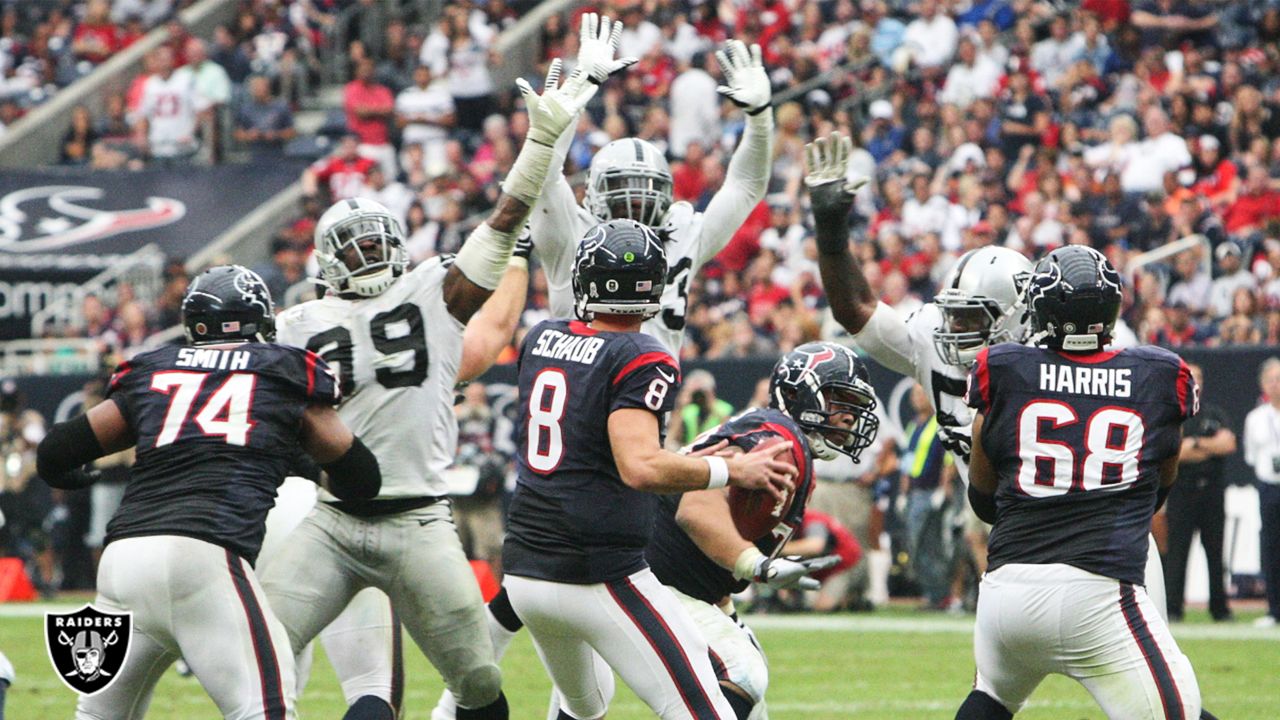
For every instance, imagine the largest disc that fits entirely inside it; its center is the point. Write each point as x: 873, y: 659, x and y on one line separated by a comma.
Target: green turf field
x: 893, y: 664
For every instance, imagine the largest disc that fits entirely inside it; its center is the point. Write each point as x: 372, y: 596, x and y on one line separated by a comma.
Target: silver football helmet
x: 981, y: 303
x: 629, y: 179
x: 360, y: 247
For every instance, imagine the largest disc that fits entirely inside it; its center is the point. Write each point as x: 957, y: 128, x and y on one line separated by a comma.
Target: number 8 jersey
x: 572, y: 518
x: 1077, y: 442
x: 396, y: 356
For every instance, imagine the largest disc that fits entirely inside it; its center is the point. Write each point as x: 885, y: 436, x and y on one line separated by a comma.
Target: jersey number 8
x: 1112, y: 442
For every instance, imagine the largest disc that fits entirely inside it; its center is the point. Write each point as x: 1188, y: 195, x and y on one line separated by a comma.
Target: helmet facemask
x: 971, y: 323
x: 362, y: 254
x: 845, y: 423
x: 631, y: 193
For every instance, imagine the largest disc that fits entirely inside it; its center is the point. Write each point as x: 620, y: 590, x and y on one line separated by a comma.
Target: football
x: 755, y: 512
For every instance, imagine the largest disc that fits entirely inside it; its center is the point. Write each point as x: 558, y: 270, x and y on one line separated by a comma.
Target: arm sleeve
x: 648, y: 380
x: 68, y: 446
x: 744, y: 186
x: 118, y: 389
x: 978, y: 392
x: 1188, y: 392
x: 355, y: 475
x: 311, y: 376
x: 552, y: 228
x: 887, y: 339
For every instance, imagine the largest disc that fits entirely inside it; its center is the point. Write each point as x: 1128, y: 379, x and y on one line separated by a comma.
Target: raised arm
x: 483, y: 259
x: 831, y: 199
x: 491, y: 329
x: 747, y: 179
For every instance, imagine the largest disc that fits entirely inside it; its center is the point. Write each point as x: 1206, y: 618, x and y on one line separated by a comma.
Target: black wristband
x: 355, y: 475
x: 760, y: 109
x: 67, y: 446
x: 984, y: 505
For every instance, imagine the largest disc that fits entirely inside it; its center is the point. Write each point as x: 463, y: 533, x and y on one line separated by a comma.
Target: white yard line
x: 824, y: 623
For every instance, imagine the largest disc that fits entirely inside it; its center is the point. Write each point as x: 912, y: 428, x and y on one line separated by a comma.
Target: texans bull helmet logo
x: 88, y: 647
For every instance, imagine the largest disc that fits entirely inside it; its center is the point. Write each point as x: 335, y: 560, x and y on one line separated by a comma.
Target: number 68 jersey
x: 1077, y: 442
x: 572, y: 519
x: 396, y: 356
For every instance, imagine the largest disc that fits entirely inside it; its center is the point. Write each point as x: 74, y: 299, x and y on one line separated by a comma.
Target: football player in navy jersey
x: 593, y: 398
x: 1074, y: 449
x: 216, y: 423
x: 821, y: 403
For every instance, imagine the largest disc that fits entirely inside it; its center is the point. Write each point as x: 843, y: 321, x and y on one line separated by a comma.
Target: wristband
x: 719, y: 472
x: 485, y: 255
x: 744, y: 568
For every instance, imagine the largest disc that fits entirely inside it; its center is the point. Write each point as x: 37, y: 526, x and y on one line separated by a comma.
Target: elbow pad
x: 984, y: 505
x: 355, y: 475
x: 68, y: 446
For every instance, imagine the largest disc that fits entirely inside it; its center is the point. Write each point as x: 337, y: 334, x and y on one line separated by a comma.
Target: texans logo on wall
x: 59, y: 227
x: 52, y: 217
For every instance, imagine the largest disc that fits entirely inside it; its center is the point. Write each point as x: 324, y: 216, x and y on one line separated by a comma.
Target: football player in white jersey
x: 629, y: 178
x: 395, y: 338
x: 979, y: 304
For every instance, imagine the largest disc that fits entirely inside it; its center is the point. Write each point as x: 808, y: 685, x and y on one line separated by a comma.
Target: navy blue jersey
x: 217, y: 428
x: 672, y: 554
x: 1077, y: 442
x: 572, y: 518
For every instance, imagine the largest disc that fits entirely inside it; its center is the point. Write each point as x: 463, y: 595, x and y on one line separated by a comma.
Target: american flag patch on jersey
x: 644, y: 285
x: 230, y: 327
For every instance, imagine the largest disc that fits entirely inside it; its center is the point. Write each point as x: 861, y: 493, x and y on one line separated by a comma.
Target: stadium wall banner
x: 59, y: 227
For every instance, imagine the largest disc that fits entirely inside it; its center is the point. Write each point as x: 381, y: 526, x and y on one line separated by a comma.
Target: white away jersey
x: 396, y: 356
x: 906, y: 346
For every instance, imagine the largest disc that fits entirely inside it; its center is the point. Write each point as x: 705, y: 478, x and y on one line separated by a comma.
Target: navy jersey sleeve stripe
x: 118, y: 376
x: 642, y: 360
x: 1188, y: 400
x: 978, y: 392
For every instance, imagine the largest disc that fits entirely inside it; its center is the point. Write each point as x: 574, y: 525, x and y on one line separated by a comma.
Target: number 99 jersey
x: 1077, y: 442
x: 396, y: 356
x: 572, y: 519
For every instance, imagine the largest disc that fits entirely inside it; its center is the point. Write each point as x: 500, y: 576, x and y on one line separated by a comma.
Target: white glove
x: 553, y: 111
x: 748, y: 85
x: 784, y: 572
x: 597, y: 46
x: 828, y: 162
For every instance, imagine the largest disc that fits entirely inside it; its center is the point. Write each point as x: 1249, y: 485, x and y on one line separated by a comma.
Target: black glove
x: 957, y: 442
x: 524, y: 244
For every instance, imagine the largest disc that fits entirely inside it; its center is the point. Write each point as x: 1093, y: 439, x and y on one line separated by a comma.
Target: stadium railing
x: 36, y: 138
x: 141, y: 269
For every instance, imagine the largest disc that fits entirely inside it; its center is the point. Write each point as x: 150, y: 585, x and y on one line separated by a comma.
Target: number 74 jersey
x: 396, y: 356
x: 1077, y: 442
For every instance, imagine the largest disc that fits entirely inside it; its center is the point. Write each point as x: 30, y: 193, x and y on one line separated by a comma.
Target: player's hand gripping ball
x: 756, y: 513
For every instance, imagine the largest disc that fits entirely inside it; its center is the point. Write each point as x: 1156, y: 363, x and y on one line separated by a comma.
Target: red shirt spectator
x: 745, y: 244
x: 368, y: 105
x: 1257, y: 204
x: 95, y: 42
x: 344, y: 172
x: 687, y: 179
x: 1112, y: 13
x: 838, y: 541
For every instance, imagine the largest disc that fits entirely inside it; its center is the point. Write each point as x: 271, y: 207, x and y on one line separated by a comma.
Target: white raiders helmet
x: 629, y: 179
x: 981, y: 303
x: 346, y: 267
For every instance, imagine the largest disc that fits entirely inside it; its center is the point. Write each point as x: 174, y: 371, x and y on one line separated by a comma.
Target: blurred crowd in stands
x: 1125, y: 125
